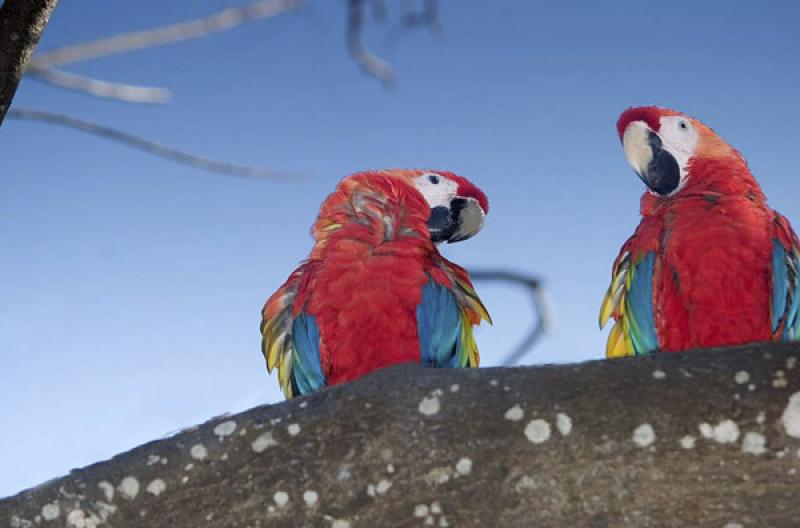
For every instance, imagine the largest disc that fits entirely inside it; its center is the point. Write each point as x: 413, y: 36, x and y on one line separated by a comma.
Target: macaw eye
x: 434, y: 179
x: 683, y: 125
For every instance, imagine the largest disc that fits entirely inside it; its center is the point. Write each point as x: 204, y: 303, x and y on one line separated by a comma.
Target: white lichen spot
x: 51, y: 511
x: 437, y: 392
x: 791, y: 362
x: 185, y: 479
x: 742, y: 377
x: 281, y: 498
x: 563, y: 424
x: 156, y: 487
x: 751, y: 387
x: 224, y: 429
x: 454, y: 387
x: 310, y: 497
x: 188, y: 467
x: 224, y: 457
x: 129, y: 487
x: 443, y: 522
x: 754, y: 443
x: 429, y: 406
x: 383, y: 486
x: 263, y: 442
x: 706, y: 430
x: 390, y: 468
x: 659, y: 374
x: 525, y: 483
x: 761, y: 418
x: 77, y: 519
x: 340, y: 523
x: 780, y: 383
x: 198, y: 452
x: 791, y: 416
x: 644, y: 435
x: 538, y: 431
x: 726, y: 432
x: 436, y: 508
x: 493, y: 382
x: 275, y: 421
x: 153, y: 459
x: 303, y: 405
x: 421, y: 510
x: 429, y: 520
x: 464, y: 467
x: 515, y: 413
x: 19, y: 522
x: 688, y: 442
x: 344, y: 472
x: 438, y: 475
x: 294, y: 429
x: 733, y: 525
x: 371, y: 490
x: 108, y: 490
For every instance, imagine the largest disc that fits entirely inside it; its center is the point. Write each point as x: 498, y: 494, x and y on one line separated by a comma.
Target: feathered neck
x: 711, y: 178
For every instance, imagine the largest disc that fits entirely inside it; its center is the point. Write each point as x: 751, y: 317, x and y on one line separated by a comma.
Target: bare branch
x: 159, y: 36
x: 151, y: 147
x: 368, y: 61
x: 122, y: 92
x: 22, y: 23
x: 545, y: 319
x: 428, y: 16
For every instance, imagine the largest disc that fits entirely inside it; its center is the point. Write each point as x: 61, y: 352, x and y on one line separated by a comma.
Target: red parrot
x: 375, y: 291
x: 710, y: 264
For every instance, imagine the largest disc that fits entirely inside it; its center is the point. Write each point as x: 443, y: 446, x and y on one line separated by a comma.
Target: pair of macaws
x: 709, y: 265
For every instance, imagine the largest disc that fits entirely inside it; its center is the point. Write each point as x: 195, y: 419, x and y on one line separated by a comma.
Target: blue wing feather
x: 439, y: 327
x: 785, y: 292
x: 639, y: 306
x: 307, y: 376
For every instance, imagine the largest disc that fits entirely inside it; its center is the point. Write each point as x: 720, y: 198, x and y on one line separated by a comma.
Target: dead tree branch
x: 159, y: 36
x: 368, y: 61
x: 146, y: 145
x: 545, y: 318
x: 106, y: 90
x: 22, y: 23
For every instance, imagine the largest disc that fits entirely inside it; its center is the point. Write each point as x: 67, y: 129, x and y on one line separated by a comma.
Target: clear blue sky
x: 131, y: 287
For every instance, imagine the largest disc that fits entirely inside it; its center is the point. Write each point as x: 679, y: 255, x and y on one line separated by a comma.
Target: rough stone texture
x: 22, y: 22
x: 671, y: 440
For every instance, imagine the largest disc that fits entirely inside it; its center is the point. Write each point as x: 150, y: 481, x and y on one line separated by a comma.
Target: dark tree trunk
x: 22, y: 23
x: 702, y: 439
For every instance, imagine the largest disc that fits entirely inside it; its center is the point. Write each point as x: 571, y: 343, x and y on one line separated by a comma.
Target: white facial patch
x: 679, y: 138
x: 437, y: 190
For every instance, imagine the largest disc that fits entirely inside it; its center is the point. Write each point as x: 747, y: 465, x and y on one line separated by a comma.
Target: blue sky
x: 131, y: 287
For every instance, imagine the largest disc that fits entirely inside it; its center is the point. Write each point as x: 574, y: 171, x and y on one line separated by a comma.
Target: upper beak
x: 646, y: 154
x: 462, y: 220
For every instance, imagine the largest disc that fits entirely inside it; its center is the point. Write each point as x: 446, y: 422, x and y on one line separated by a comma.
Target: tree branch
x: 22, y: 23
x: 159, y: 36
x: 151, y: 147
x: 545, y: 318
x: 106, y: 90
x: 369, y: 62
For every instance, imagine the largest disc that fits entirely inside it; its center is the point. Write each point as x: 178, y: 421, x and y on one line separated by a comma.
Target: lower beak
x: 462, y: 220
x: 646, y: 154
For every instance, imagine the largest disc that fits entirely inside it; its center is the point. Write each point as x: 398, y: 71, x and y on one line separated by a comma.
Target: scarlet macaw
x: 375, y: 291
x: 710, y: 264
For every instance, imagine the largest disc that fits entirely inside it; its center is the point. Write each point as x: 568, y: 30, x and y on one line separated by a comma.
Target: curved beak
x: 646, y: 154
x: 463, y: 219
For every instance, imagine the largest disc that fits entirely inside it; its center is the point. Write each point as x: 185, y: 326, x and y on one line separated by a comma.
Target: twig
x: 151, y: 147
x: 368, y: 61
x: 159, y: 36
x: 545, y: 319
x: 122, y: 92
x: 22, y: 22
x: 428, y: 16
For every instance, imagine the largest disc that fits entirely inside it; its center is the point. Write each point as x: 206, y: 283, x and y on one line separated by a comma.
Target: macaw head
x: 457, y: 206
x: 676, y: 154
x: 382, y: 205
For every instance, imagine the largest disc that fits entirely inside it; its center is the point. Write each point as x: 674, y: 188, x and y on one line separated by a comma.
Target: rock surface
x: 708, y: 438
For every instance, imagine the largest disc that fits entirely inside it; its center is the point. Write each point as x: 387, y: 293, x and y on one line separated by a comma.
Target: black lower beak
x: 444, y: 221
x: 663, y: 175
